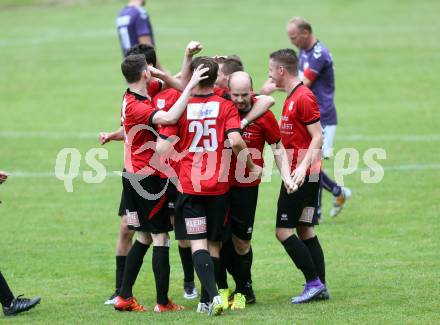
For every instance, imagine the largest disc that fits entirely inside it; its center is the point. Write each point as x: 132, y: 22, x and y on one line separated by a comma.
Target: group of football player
x: 193, y: 163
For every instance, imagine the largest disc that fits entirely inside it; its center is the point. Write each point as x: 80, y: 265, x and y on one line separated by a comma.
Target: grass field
x: 60, y: 85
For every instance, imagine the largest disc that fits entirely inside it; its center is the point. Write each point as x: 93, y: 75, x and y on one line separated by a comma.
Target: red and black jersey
x: 263, y: 129
x: 222, y: 92
x: 164, y: 100
x: 153, y: 87
x: 139, y: 142
x: 202, y: 130
x: 300, y: 109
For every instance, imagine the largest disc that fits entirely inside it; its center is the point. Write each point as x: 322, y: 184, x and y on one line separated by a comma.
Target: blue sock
x: 330, y: 185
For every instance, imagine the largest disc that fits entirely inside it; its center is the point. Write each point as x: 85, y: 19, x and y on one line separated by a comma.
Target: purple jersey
x: 316, y: 65
x: 133, y: 22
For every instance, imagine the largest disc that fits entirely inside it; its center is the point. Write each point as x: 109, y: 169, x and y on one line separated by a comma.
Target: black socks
x: 205, y: 271
x: 300, y: 255
x: 187, y: 263
x: 133, y: 265
x: 120, y: 265
x: 161, y: 270
x: 317, y: 254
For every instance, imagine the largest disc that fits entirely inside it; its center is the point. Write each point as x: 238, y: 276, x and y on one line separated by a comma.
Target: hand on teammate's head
x: 198, y: 75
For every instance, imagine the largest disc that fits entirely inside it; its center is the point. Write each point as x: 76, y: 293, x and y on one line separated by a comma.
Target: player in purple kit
x: 134, y: 26
x: 316, y: 71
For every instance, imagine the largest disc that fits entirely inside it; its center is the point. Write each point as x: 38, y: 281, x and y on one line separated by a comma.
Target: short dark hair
x: 147, y: 50
x: 232, y: 64
x: 286, y: 58
x: 132, y: 67
x: 207, y: 62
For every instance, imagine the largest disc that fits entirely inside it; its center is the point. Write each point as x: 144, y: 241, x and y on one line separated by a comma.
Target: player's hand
x: 193, y: 48
x: 197, y: 76
x: 3, y: 177
x: 155, y: 72
x: 104, y: 137
x: 290, y: 186
x: 256, y: 172
x: 299, y: 175
x: 268, y: 88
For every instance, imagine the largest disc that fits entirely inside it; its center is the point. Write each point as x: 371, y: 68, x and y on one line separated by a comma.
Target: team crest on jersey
x: 195, y: 225
x: 291, y: 105
x: 160, y: 103
x: 133, y: 219
x: 198, y: 111
x: 307, y: 215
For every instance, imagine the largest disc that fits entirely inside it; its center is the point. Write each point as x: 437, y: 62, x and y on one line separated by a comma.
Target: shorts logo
x: 249, y: 231
x: 133, y: 219
x: 160, y: 103
x: 170, y: 205
x: 195, y: 225
x: 307, y: 215
x: 284, y: 217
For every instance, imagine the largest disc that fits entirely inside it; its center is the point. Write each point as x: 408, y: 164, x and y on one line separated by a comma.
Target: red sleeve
x: 310, y: 74
x: 167, y: 131
x: 272, y: 133
x: 308, y: 109
x: 154, y: 86
x: 232, y: 118
x: 142, y: 113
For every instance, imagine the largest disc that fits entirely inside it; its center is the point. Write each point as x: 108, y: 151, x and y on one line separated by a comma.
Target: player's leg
x: 243, y: 208
x: 135, y: 257
x: 341, y: 194
x: 291, y: 211
x: 184, y: 246
x: 13, y: 306
x: 191, y: 224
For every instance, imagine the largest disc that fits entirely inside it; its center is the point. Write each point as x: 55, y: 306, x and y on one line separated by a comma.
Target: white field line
x: 117, y: 173
x: 94, y: 135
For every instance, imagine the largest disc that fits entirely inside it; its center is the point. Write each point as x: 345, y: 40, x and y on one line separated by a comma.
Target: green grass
x: 59, y: 73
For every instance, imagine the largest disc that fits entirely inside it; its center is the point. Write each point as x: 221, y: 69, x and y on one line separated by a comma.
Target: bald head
x: 300, y: 33
x: 240, y: 86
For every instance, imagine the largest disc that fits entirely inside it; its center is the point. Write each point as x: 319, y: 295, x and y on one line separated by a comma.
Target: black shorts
x: 146, y: 214
x: 171, y: 195
x: 122, y: 207
x: 298, y: 207
x: 243, y: 207
x: 201, y: 216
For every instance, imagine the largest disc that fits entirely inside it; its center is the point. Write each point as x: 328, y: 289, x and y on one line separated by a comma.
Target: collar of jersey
x: 204, y: 96
x: 296, y: 87
x: 136, y: 95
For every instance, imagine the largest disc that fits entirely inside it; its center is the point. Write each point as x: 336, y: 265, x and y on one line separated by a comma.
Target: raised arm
x: 173, y: 115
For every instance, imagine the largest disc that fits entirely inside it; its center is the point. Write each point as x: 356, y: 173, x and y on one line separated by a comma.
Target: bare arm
x: 173, y: 115
x: 117, y: 135
x: 238, y: 145
x: 269, y: 87
x: 282, y: 162
x: 313, y: 153
x: 261, y: 106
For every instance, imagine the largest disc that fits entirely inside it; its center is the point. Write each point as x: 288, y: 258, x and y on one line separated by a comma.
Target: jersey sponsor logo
x: 123, y: 21
x: 307, y: 215
x: 133, y: 219
x: 160, y: 103
x: 199, y: 111
x: 195, y: 225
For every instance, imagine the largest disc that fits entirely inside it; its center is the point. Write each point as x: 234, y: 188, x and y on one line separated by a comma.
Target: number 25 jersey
x: 202, y: 130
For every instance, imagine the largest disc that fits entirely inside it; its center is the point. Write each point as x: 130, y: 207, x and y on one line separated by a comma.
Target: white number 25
x: 200, y: 130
